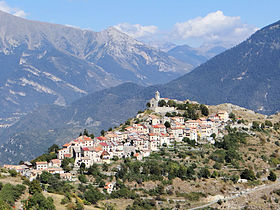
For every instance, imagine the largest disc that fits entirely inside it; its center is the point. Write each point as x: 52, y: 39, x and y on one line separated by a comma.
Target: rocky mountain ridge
x: 43, y: 63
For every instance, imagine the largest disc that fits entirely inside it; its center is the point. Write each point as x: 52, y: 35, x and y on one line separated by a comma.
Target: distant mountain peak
x: 55, y: 64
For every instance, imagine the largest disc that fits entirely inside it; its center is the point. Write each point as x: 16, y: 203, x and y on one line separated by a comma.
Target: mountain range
x: 43, y: 63
x: 246, y: 75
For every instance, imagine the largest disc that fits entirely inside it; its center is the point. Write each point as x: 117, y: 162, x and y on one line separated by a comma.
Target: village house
x: 158, y: 128
x: 191, y: 133
x: 164, y: 139
x: 68, y: 177
x: 177, y: 132
x: 42, y: 165
x: 223, y: 115
x: 18, y: 168
x: 55, y: 163
x: 178, y: 119
x: 154, y: 120
x: 109, y: 186
x: 55, y: 170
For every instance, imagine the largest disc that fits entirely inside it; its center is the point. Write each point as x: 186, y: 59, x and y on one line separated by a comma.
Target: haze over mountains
x: 43, y: 63
x: 246, y: 75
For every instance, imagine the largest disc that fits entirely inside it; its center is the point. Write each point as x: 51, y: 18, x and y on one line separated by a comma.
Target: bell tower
x: 157, y: 96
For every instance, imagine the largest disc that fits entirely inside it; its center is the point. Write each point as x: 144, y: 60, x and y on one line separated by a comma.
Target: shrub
x: 35, y: 187
x: 93, y: 195
x: 248, y: 174
x: 38, y: 200
x: 10, y: 193
x: 82, y: 178
x: 13, y: 173
x: 268, y: 123
x: 277, y: 192
x: 204, y: 173
x: 272, y: 176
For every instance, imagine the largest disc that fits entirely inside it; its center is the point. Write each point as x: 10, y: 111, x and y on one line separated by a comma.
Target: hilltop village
x: 161, y: 125
x: 179, y: 154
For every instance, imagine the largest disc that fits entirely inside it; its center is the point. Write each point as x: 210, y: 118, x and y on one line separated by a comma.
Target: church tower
x: 157, y: 96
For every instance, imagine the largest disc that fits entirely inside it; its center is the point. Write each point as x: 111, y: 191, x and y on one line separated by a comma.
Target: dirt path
x: 240, y: 194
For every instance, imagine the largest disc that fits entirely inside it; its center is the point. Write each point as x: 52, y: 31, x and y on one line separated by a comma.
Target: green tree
x: 213, y: 135
x: 85, y: 133
x: 102, y: 132
x: 105, y: 167
x: 255, y: 125
x: 101, y: 183
x: 167, y: 124
x: 21, y: 162
x: 168, y: 114
x: 54, y: 148
x: 217, y: 166
x: 45, y: 177
x: 82, y: 178
x: 4, y: 205
x: 268, y: 123
x: 67, y: 164
x: 214, y: 174
x: 204, y: 110
x: 91, y: 135
x: 272, y: 176
x: 248, y: 174
x: 171, y: 103
x: 38, y: 201
x: 13, y: 172
x: 231, y: 115
x: 82, y: 168
x: 276, y: 126
x: 231, y: 155
x: 35, y: 187
x: 93, y: 195
x: 10, y: 193
x: 162, y: 103
x: 189, y: 142
x: 204, y: 173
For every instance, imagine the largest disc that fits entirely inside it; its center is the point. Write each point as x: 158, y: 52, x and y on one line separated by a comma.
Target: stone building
x: 154, y: 104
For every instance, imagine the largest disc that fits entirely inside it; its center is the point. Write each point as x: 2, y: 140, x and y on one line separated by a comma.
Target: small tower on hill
x: 157, y: 96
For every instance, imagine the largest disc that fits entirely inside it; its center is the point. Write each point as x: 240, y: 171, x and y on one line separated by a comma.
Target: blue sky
x: 181, y: 21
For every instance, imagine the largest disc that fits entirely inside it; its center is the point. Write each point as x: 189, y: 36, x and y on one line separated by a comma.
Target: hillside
x: 56, y: 124
x: 246, y: 75
x: 239, y: 170
x: 249, y: 81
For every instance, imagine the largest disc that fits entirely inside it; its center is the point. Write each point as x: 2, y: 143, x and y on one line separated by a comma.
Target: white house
x: 42, y: 165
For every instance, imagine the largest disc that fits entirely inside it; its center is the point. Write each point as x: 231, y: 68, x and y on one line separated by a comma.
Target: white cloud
x: 214, y: 27
x: 14, y: 11
x: 136, y: 30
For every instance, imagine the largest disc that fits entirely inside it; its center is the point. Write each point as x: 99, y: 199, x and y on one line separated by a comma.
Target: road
x: 240, y: 194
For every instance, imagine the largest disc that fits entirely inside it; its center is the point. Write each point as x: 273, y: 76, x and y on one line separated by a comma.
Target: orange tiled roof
x: 159, y: 126
x: 67, y: 155
x: 42, y: 162
x: 98, y: 149
x: 56, y: 161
